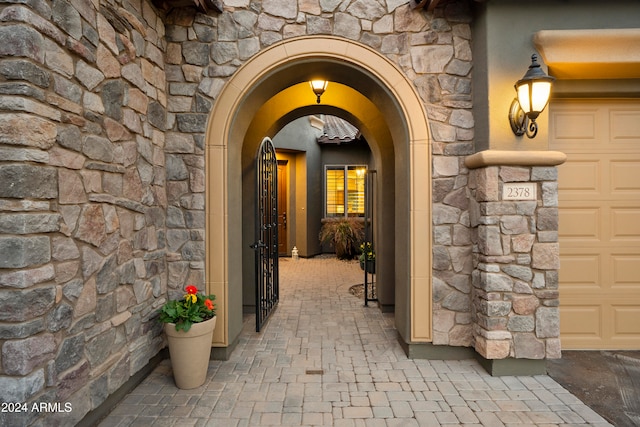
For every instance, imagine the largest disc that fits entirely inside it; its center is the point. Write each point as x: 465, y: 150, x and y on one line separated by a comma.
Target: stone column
x: 516, y: 260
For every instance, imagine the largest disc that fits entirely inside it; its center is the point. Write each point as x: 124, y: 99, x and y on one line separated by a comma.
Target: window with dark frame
x: 344, y: 190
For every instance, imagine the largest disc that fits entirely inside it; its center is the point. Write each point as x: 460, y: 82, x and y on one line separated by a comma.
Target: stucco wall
x: 502, y: 48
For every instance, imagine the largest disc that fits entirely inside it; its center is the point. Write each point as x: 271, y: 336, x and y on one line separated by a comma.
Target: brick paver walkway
x: 325, y: 359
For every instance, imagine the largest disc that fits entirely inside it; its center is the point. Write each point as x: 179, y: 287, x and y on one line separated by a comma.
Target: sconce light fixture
x: 533, y: 91
x: 318, y: 87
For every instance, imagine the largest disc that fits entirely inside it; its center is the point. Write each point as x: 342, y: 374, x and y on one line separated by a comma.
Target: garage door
x: 599, y: 199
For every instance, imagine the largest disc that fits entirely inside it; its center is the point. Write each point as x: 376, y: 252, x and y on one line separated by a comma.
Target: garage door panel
x: 581, y: 176
x: 599, y: 222
x: 625, y: 224
x: 626, y: 271
x: 626, y: 321
x: 580, y: 223
x: 581, y: 321
x: 580, y: 271
x: 625, y: 126
x: 575, y: 127
x: 625, y: 178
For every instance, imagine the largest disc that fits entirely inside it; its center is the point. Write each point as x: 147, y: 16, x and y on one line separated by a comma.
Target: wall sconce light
x: 533, y: 91
x: 318, y: 87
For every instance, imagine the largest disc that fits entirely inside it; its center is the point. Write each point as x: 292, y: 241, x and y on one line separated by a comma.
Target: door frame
x: 283, y: 206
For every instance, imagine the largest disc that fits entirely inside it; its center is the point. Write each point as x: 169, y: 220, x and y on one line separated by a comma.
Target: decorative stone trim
x: 514, y: 158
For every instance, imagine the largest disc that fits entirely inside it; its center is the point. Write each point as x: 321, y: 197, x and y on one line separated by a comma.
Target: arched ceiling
x: 338, y: 100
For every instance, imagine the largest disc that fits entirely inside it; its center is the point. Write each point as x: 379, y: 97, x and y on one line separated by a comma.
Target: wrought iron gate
x: 266, y: 245
x: 370, y: 291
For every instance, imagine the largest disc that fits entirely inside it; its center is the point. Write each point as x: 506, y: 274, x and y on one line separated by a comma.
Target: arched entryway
x: 368, y: 90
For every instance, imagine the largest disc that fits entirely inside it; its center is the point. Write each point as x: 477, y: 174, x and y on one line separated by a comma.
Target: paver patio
x: 325, y: 359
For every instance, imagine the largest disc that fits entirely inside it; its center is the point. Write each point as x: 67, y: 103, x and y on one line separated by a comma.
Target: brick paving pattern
x: 325, y: 359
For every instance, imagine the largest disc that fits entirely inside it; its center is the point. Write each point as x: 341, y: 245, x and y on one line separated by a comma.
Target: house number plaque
x: 519, y: 191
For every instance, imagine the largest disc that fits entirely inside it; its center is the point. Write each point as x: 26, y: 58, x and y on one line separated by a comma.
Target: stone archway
x: 389, y: 111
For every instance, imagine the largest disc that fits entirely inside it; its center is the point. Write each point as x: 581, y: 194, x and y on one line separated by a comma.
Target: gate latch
x: 257, y: 245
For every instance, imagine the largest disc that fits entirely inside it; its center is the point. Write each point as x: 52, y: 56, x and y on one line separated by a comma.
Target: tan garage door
x: 599, y: 199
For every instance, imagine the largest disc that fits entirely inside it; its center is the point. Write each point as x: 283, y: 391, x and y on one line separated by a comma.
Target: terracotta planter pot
x: 190, y: 352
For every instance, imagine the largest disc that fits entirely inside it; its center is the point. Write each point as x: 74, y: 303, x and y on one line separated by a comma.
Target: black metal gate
x: 370, y: 291
x: 266, y: 245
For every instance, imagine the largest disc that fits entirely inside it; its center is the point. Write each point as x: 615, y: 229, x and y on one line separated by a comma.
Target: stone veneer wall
x: 83, y: 200
x: 432, y: 49
x: 516, y: 260
x: 103, y: 111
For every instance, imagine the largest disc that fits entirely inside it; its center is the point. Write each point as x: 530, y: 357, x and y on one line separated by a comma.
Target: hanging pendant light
x: 318, y: 87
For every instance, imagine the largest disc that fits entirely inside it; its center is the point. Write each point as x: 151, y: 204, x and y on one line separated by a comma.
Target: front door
x: 282, y: 207
x: 266, y: 245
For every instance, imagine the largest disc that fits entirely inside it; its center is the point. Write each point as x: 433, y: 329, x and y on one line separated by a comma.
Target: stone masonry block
x: 443, y: 214
x: 544, y: 174
x: 445, y: 166
x: 496, y: 334
x: 73, y: 380
x: 548, y: 236
x: 21, y: 357
x: 14, y: 308
x: 526, y: 208
x: 498, y: 208
x: 550, y: 194
x: 548, y: 322
x: 29, y: 223
x: 546, y: 256
x: 25, y: 278
x: 490, y: 349
x: 9, y: 331
x: 495, y: 308
x: 195, y: 53
x: 25, y: 70
x: 518, y: 271
x: 67, y: 18
x: 28, y: 130
x: 487, y: 184
x: 492, y: 282
x: 20, y: 252
x: 514, y: 224
x: 514, y: 174
x: 553, y: 348
x: 489, y: 240
x: 525, y: 305
x: 522, y: 243
x: 491, y: 323
x: 521, y: 324
x: 547, y: 219
x: 22, y: 41
x: 20, y: 389
x: 27, y: 181
x: 527, y: 346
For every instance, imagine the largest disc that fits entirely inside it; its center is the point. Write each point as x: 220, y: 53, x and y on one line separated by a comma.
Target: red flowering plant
x: 194, y: 307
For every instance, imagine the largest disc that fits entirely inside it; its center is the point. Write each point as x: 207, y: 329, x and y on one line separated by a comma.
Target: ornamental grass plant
x: 344, y: 234
x: 194, y: 307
